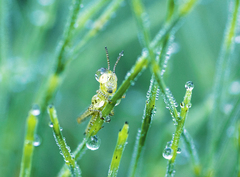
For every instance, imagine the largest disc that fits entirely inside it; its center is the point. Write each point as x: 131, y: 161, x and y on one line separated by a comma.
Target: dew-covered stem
x: 74, y: 11
x: 65, y: 172
x: 98, y: 24
x: 88, y: 12
x: 60, y: 141
x: 28, y: 146
x: 185, y: 105
x: 149, y: 112
x: 117, y: 155
x: 142, y: 21
x: 192, y: 151
x: 220, y: 82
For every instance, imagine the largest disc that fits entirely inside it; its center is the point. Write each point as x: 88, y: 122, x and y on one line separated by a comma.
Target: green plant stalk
x: 65, y: 172
x: 170, y: 10
x: 142, y: 20
x: 117, y: 155
x: 98, y: 24
x: 88, y: 12
x: 75, y: 8
x: 185, y: 105
x: 55, y: 79
x: 149, y: 112
x: 223, y: 68
x: 28, y: 147
x: 230, y: 120
x: 65, y: 150
x: 193, y: 152
x: 184, y: 10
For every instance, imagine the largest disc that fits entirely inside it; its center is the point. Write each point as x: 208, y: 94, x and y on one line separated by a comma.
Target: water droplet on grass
x: 189, y: 85
x: 168, y: 153
x: 93, y: 143
x: 179, y: 150
x: 50, y: 124
x: 37, y: 141
x: 35, y: 110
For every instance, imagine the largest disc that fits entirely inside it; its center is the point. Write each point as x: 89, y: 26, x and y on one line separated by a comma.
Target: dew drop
x: 168, y: 153
x: 93, y: 143
x: 182, y: 104
x: 61, y: 128
x: 35, y: 110
x: 50, y: 124
x: 107, y: 119
x: 99, y: 73
x: 189, y: 85
x: 37, y: 141
x: 189, y: 105
x: 179, y: 150
x: 118, y: 102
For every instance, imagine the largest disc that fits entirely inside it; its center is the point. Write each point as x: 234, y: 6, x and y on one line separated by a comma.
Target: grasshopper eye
x: 100, y: 72
x: 110, y: 91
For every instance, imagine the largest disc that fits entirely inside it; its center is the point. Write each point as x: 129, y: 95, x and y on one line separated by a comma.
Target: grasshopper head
x: 107, y: 80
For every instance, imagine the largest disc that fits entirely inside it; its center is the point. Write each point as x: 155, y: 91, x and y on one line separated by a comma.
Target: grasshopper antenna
x: 107, y: 58
x: 120, y: 54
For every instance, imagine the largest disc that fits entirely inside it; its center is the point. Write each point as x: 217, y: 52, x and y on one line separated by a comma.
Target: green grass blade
x: 193, y: 152
x: 28, y: 147
x: 117, y: 155
x: 60, y: 141
x: 174, y: 148
x: 149, y: 112
x: 220, y: 83
x: 81, y: 149
x: 75, y: 8
x: 87, y: 12
x: 98, y: 24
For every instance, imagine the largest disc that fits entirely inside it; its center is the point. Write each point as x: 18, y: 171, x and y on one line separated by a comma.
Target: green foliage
x: 49, y: 52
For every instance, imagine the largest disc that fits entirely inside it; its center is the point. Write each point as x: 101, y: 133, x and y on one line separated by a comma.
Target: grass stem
x: 60, y: 141
x: 117, y: 155
x: 28, y: 147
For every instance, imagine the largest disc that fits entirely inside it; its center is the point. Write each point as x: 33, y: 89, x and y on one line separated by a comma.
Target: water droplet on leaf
x: 93, y: 143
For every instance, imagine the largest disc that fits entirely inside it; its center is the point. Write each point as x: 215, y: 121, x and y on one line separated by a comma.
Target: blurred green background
x: 34, y: 29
